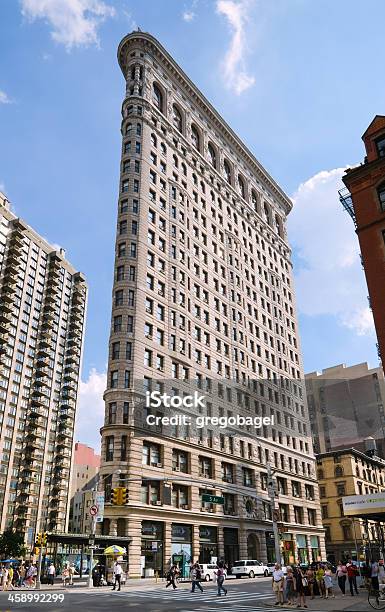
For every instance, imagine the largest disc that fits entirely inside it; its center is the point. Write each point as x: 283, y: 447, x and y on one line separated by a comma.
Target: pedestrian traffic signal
x: 36, y: 550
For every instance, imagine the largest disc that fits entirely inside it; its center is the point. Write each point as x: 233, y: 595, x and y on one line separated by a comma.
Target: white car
x: 271, y: 566
x: 208, y: 571
x: 250, y: 568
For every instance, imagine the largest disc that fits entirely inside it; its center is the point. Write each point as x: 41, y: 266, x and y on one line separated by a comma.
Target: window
x: 157, y: 97
x: 324, y: 512
x: 118, y: 323
x: 338, y: 472
x: 177, y: 118
x: 151, y: 454
x: 115, y: 350
x: 112, y: 413
x: 241, y: 187
x: 347, y: 532
x: 119, y: 297
x: 205, y: 467
x: 212, y: 155
x: 125, y: 412
x: 114, y: 378
x: 247, y: 476
x: 340, y: 489
x: 380, y: 145
x: 195, y: 137
x: 381, y: 195
x: 179, y: 461
x: 123, y: 448
x: 311, y: 516
x: 227, y: 171
x: 110, y: 448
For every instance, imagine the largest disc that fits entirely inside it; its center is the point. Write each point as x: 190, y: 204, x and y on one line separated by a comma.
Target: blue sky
x: 299, y: 81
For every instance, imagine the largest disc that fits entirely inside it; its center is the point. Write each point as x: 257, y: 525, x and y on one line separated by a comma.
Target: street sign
x: 99, y: 502
x: 213, y: 499
x: 94, y: 510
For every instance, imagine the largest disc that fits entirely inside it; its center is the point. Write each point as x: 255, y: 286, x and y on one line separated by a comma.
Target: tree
x: 11, y: 544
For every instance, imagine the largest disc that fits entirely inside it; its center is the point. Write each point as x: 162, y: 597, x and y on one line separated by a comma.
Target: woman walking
x: 291, y: 587
x: 220, y: 574
x: 341, y: 573
x: 301, y: 584
x: 171, y: 575
x: 320, y: 576
x: 310, y: 581
x: 328, y: 580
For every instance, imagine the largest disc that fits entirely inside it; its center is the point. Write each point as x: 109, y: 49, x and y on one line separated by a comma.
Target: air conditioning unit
x: 176, y: 469
x: 149, y: 336
x: 158, y: 465
x: 185, y: 506
x: 211, y: 509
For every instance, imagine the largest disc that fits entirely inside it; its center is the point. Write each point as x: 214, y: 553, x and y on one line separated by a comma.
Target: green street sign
x: 213, y: 499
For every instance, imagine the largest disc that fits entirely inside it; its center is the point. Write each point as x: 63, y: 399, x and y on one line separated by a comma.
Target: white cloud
x: 235, y: 75
x: 329, y: 278
x: 4, y: 98
x: 74, y: 22
x: 188, y: 16
x: 90, y: 412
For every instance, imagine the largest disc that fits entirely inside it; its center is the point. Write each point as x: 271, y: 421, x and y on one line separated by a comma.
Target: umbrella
x: 114, y: 550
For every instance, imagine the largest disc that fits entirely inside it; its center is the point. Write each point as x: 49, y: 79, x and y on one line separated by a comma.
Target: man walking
x: 117, y: 575
x: 196, y: 576
x: 352, y: 577
x: 171, y: 575
x: 278, y: 580
x: 51, y: 574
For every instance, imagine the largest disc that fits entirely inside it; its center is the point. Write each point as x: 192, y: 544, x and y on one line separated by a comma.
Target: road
x: 243, y: 596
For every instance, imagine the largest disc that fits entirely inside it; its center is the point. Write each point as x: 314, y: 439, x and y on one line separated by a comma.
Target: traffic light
x: 44, y: 536
x: 36, y: 550
x: 38, y: 540
x: 119, y: 496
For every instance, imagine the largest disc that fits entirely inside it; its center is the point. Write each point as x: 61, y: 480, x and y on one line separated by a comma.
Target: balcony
x: 347, y: 203
x: 10, y: 275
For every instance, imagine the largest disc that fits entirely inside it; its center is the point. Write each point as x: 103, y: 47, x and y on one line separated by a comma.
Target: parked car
x: 208, y: 571
x: 249, y: 568
x: 271, y: 566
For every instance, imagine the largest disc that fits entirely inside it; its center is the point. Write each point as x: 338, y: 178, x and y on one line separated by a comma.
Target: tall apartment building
x: 364, y: 199
x: 346, y: 405
x: 202, y: 298
x: 42, y: 311
x: 349, y: 472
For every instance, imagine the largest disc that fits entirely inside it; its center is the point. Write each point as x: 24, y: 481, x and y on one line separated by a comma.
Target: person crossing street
x: 117, y: 575
x: 220, y: 574
x: 196, y: 577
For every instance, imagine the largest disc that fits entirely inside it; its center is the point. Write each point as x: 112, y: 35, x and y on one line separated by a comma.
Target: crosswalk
x: 209, y: 596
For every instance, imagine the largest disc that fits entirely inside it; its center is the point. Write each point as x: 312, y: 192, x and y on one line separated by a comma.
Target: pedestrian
x: 10, y: 577
x: 117, y: 575
x: 170, y: 576
x: 291, y: 587
x: 220, y: 574
x: 65, y: 575
x: 328, y: 580
x: 196, y: 577
x: 352, y: 577
x: 301, y: 584
x: 341, y: 574
x: 5, y: 578
x: 51, y: 574
x: 374, y: 569
x: 22, y: 572
x: 16, y: 577
x: 71, y: 571
x: 310, y: 581
x: 320, y: 578
x: 381, y: 572
x: 96, y: 576
x: 278, y: 580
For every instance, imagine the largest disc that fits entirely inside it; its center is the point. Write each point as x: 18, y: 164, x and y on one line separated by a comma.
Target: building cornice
x: 149, y: 41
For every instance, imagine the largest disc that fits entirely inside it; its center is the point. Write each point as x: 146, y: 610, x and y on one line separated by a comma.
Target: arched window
x: 153, y: 140
x: 338, y: 472
x: 157, y: 97
x: 128, y: 129
x: 227, y: 171
x: 241, y: 186
x: 381, y: 196
x: 278, y: 225
x: 254, y: 200
x: 195, y: 137
x: 266, y: 213
x: 212, y: 155
x: 138, y: 129
x: 177, y: 118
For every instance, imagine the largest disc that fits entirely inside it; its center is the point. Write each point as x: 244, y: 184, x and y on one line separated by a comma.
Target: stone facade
x: 202, y: 295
